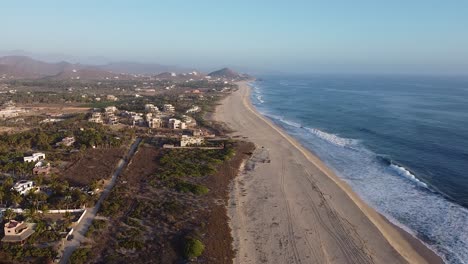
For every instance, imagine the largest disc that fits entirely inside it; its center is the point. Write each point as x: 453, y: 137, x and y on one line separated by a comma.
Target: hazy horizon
x: 421, y: 37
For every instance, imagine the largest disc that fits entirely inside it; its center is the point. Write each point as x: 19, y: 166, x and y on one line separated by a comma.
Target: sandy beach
x: 286, y: 206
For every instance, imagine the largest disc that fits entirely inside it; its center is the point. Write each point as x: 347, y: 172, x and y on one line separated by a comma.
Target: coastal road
x: 288, y: 207
x: 80, y: 230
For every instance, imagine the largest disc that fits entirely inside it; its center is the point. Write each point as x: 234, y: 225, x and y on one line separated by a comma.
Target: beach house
x: 22, y: 187
x: 17, y: 232
x: 35, y: 157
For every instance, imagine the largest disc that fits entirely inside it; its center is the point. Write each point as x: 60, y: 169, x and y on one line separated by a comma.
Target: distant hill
x: 140, y: 68
x: 224, y: 73
x: 22, y: 67
x: 25, y: 67
x: 229, y: 74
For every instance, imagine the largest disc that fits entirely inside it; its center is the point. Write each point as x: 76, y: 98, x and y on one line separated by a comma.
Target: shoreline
x: 390, y: 241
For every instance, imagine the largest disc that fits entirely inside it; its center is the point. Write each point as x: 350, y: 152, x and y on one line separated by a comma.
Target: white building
x: 168, y: 108
x: 111, y: 109
x: 176, y: 124
x: 151, y: 108
x: 190, y: 141
x: 22, y: 187
x: 35, y: 157
x: 155, y: 122
x: 96, y: 118
x: 193, y: 109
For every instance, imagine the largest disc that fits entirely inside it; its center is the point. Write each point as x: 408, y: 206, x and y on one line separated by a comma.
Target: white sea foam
x: 407, y: 174
x: 332, y: 138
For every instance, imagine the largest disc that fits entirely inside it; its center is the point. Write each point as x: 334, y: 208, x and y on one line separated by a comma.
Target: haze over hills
x: 23, y: 67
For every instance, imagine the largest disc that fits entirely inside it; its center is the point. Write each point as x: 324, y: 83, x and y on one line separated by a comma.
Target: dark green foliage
x: 80, y: 256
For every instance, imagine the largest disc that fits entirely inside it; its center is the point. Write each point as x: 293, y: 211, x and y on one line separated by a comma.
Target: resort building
x: 35, y: 157
x: 176, y: 124
x: 41, y: 168
x: 96, y: 118
x: 190, y: 141
x: 17, y: 232
x: 22, y: 187
x: 151, y: 108
x: 168, y: 108
x: 155, y: 122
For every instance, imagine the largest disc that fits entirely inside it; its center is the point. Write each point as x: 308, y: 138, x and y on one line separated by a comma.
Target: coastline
x: 318, y: 204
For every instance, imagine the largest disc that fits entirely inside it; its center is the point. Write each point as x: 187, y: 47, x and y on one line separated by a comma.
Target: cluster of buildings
x: 40, y: 166
x: 152, y: 118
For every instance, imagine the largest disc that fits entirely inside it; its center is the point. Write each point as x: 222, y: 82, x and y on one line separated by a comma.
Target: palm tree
x: 16, y: 198
x: 9, y: 214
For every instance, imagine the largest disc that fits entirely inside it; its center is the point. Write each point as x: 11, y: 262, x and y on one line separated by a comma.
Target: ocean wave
x: 332, y: 138
x: 408, y: 175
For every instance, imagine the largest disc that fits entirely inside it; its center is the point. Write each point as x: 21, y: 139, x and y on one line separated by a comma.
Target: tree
x: 9, y: 214
x: 16, y: 198
x: 2, y: 195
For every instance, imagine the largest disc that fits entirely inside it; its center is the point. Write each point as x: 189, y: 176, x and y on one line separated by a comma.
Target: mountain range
x: 23, y: 67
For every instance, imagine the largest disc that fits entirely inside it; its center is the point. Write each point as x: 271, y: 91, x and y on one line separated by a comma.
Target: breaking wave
x: 408, y: 175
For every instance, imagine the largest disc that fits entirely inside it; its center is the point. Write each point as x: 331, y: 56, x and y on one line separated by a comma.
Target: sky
x: 398, y: 36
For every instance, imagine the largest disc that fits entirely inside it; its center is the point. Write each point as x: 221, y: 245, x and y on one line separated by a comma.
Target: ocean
x: 401, y: 143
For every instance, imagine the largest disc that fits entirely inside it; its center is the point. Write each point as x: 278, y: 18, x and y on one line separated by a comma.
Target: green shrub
x: 193, y: 188
x: 193, y: 248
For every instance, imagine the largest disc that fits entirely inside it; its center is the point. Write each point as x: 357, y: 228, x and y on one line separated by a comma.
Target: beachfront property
x: 35, y: 157
x: 23, y: 187
x: 176, y: 124
x: 168, y: 108
x: 190, y: 141
x: 17, y: 232
x: 67, y: 142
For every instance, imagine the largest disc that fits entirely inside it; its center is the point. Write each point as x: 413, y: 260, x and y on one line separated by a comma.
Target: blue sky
x: 316, y: 36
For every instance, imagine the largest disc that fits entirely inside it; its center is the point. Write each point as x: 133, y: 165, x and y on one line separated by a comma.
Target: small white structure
x: 111, y: 109
x: 22, y: 187
x: 190, y: 141
x: 168, y: 108
x: 68, y: 141
x: 176, y: 124
x: 111, y: 97
x: 193, y: 109
x: 35, y: 157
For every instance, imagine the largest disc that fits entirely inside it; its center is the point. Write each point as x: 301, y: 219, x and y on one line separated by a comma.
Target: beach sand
x: 286, y: 206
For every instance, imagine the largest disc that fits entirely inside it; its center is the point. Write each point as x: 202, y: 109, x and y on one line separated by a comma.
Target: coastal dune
x: 286, y: 206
